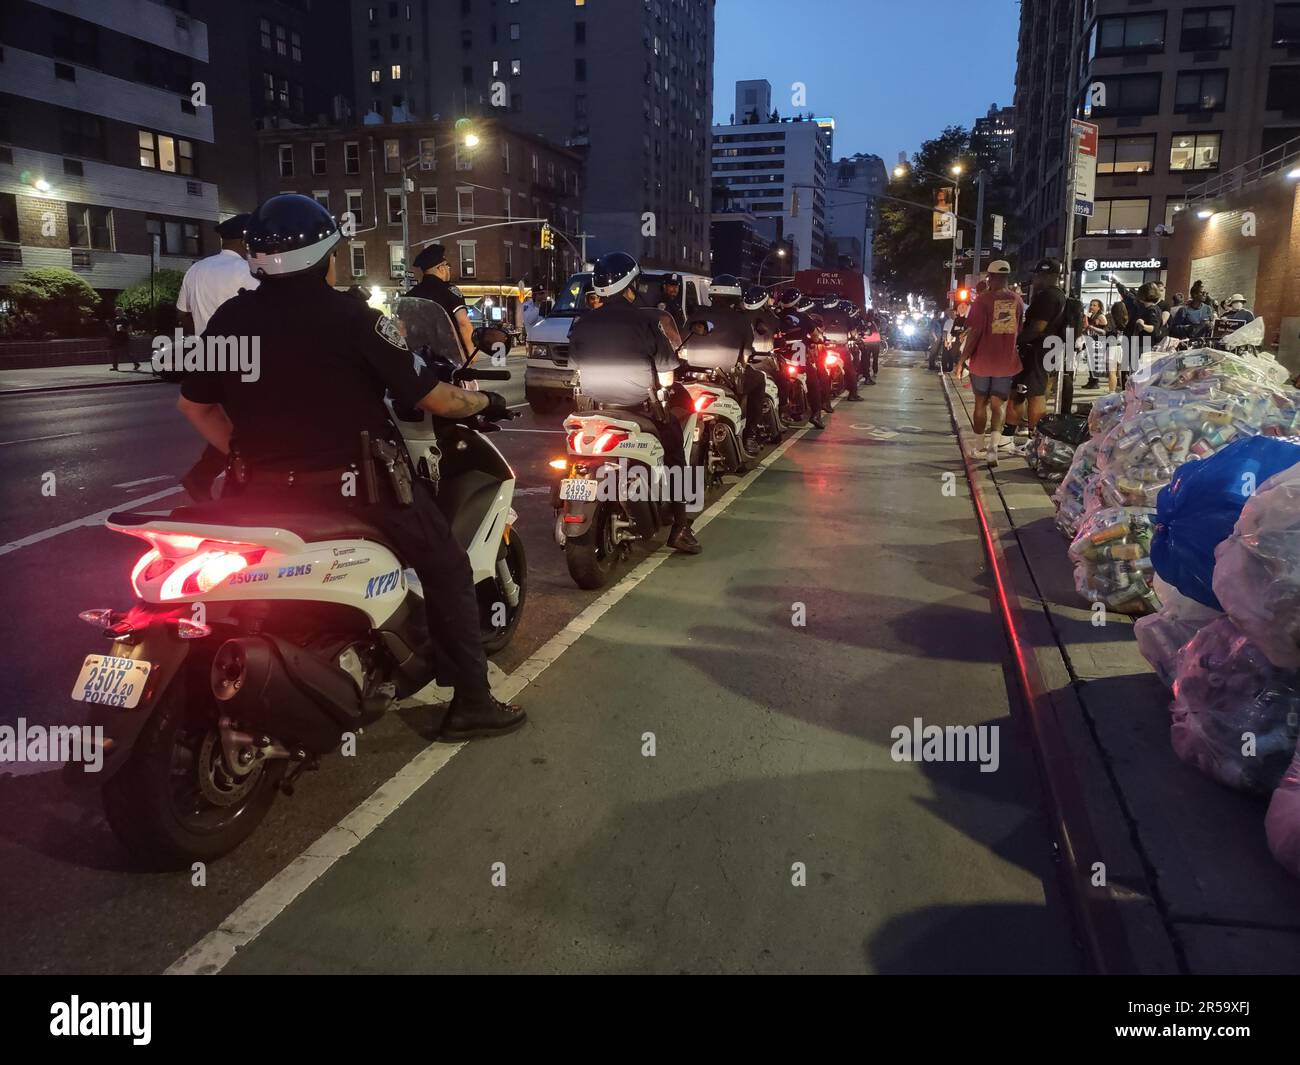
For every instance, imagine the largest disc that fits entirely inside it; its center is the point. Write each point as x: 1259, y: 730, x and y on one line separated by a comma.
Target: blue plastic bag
x: 1197, y: 510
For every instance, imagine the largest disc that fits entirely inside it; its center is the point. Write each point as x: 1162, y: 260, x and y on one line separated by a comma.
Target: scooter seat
x: 311, y: 525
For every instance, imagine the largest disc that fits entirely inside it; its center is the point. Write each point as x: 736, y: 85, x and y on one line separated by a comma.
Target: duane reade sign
x: 1092, y: 266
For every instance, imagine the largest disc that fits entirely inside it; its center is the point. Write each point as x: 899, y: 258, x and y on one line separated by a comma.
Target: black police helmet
x: 289, y: 235
x: 788, y: 298
x: 613, y: 273
x: 724, y: 285
x: 754, y: 298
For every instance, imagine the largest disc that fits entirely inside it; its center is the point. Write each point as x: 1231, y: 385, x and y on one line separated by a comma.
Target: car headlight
x: 538, y: 351
x: 909, y: 330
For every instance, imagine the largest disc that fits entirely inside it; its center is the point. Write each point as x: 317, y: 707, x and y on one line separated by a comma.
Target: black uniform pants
x: 671, y: 435
x: 753, y: 387
x: 871, y: 360
x: 852, y: 366
x: 423, y: 541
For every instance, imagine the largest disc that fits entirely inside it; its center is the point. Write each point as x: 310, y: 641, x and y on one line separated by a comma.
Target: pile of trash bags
x: 1160, y: 636
x: 1112, y: 559
x: 1051, y: 451
x: 1070, y: 497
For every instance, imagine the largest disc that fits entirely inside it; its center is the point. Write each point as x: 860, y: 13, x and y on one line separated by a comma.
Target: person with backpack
x: 989, y: 348
x: 1046, y: 324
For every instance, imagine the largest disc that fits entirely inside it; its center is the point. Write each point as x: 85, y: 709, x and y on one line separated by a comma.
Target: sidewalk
x: 56, y: 378
x: 1227, y: 905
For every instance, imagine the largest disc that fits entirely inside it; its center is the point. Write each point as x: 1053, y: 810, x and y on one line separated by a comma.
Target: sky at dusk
x: 892, y: 73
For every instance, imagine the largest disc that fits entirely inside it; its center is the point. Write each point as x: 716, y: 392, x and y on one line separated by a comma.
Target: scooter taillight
x: 192, y: 565
x: 595, y: 440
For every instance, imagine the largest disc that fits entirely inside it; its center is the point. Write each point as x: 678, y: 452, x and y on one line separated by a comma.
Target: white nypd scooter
x: 259, y: 639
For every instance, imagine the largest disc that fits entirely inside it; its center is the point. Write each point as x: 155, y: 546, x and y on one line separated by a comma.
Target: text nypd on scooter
x: 920, y: 742
x: 134, y: 1019
x: 179, y: 353
x: 41, y: 744
x: 633, y: 483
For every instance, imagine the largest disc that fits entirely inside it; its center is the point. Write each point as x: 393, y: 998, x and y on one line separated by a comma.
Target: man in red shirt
x: 992, y: 331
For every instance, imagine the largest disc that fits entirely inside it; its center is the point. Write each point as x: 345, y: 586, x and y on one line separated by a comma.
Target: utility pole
x: 979, y: 223
x: 1064, y: 388
x: 956, y: 229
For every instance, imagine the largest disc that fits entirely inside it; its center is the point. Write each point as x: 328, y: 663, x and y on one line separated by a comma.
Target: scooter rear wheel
x: 593, y: 556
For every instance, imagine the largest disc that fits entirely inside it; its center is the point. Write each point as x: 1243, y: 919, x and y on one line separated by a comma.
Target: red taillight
x: 574, y: 437
x: 608, y: 441
x: 832, y: 359
x: 791, y: 369
x: 202, y: 573
x: 704, y: 401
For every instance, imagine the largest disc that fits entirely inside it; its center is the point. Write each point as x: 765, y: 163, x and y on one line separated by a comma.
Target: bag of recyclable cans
x: 1235, y: 715
x: 1105, y: 412
x: 1160, y: 636
x: 1051, y: 450
x: 1257, y: 569
x: 1069, y: 496
x: 1112, y: 559
x: 1282, y: 822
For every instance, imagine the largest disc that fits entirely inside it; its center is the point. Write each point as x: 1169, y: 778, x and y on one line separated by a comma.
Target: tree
x: 161, y: 315
x: 908, y: 258
x: 51, y: 301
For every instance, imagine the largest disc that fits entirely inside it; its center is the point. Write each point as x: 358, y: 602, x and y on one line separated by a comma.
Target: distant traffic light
x: 963, y: 295
x: 548, y: 238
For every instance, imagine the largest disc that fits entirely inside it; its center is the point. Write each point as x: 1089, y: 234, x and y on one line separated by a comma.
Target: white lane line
x: 33, y: 439
x: 214, y: 951
x: 147, y: 480
x: 79, y: 523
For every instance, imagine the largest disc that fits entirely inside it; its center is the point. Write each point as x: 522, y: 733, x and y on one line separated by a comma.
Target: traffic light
x: 548, y: 238
x: 963, y: 295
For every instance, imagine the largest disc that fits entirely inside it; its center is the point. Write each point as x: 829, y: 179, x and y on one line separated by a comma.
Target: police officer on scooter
x: 294, y: 428
x: 624, y: 358
x: 799, y: 331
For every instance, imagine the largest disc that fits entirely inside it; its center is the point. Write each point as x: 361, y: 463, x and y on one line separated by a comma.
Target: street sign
x: 1085, y: 166
x: 998, y: 222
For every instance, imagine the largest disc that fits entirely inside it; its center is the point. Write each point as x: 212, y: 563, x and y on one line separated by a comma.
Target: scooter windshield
x: 428, y: 328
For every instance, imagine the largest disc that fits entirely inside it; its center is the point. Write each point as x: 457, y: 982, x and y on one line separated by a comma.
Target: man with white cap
x: 1238, y: 311
x: 990, y: 348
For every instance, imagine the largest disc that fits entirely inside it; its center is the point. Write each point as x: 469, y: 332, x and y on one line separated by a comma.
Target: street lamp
x: 778, y: 252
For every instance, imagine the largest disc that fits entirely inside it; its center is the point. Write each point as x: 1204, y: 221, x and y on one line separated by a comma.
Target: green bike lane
x: 706, y: 785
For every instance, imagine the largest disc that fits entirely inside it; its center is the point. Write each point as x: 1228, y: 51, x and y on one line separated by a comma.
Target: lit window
x: 376, y: 76
x: 396, y: 72
x: 1194, y: 151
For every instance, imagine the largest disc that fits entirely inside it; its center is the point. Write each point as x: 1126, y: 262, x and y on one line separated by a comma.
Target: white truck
x: 549, y: 380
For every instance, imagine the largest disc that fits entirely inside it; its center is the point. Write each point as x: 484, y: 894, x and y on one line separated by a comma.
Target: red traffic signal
x: 963, y: 295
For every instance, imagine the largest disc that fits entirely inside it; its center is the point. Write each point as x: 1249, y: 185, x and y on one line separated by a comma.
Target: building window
x: 322, y: 197
x: 1126, y: 155
x: 318, y: 158
x: 160, y: 151
x: 358, y: 251
x: 579, y: 70
x: 464, y: 205
x: 428, y: 154
x: 295, y: 46
x: 392, y: 157
x: 1206, y: 29
x: 514, y: 31
x: 1118, y: 217
x: 1283, y: 90
x: 286, y: 159
x: 507, y: 261
x: 1286, y: 25
x: 395, y: 72
x: 579, y: 33
x: 76, y: 40
x: 516, y: 67
x: 1124, y: 34
x: 464, y: 156
x: 355, y: 205
x: 468, y: 249
x: 429, y: 206
x: 81, y: 134
x: 90, y: 227
x: 376, y: 76
x: 505, y: 197
x: 1173, y: 208
x: 394, y: 200
x: 264, y: 25
x: 1201, y: 90
x: 8, y: 217
x: 396, y: 260
x: 467, y: 75
x: 1125, y: 94
x: 1194, y: 151
x: 176, y: 237
x: 505, y: 156
x: 352, y: 157
x: 281, y: 45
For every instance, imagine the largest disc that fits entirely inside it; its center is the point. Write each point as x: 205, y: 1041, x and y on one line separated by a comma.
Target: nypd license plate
x: 578, y: 490
x: 111, y: 680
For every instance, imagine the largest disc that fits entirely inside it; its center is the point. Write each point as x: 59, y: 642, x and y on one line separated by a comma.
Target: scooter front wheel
x: 493, y: 600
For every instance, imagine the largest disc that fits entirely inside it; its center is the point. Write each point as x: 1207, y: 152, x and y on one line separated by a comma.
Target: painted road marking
x: 214, y: 951
x: 146, y: 480
x: 34, y: 439
x: 81, y: 523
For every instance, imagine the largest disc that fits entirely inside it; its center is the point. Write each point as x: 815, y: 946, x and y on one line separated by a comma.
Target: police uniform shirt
x: 324, y: 361
x: 730, y: 340
x: 619, y: 349
x: 443, y: 293
x: 210, y: 282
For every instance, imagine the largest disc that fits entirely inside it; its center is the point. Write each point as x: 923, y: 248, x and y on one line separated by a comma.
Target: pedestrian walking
x: 990, y: 349
x: 119, y: 340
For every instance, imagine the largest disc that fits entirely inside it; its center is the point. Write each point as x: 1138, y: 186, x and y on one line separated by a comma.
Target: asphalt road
x: 769, y: 830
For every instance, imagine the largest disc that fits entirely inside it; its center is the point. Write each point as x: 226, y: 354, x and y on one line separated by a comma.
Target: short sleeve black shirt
x: 445, y: 294
x: 324, y: 361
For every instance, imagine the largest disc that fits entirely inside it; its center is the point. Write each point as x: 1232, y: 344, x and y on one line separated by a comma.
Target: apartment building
x: 102, y: 152
x: 1180, y: 89
x: 851, y: 213
x: 460, y: 196
x: 626, y: 82
x: 776, y: 168
x: 992, y: 138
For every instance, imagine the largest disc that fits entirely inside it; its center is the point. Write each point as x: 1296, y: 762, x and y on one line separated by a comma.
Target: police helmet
x: 754, y: 298
x: 613, y: 273
x: 289, y: 235
x: 789, y: 298
x: 724, y: 285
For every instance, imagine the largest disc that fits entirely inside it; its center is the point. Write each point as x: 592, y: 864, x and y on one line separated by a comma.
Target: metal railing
x: 1277, y: 159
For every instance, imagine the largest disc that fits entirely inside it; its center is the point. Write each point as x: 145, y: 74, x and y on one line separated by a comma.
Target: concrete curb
x: 40, y: 389
x: 1120, y: 922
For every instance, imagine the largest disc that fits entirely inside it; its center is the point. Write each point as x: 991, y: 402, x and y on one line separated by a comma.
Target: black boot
x: 816, y: 421
x: 682, y: 539
x: 481, y: 717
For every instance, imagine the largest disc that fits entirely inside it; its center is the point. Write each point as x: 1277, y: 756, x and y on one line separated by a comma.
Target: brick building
x: 1241, y: 233
x: 462, y: 197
